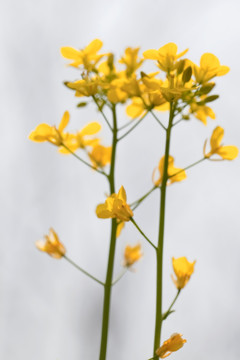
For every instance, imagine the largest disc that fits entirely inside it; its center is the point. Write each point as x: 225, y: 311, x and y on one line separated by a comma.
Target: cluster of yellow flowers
x: 176, y: 84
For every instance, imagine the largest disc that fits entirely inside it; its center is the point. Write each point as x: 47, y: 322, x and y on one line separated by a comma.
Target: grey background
x: 47, y: 309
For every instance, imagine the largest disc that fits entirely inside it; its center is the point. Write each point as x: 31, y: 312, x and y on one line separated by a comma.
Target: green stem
x: 127, y: 124
x: 109, y: 275
x: 136, y: 203
x: 82, y: 270
x: 119, y: 277
x: 104, y: 116
x: 156, y: 118
x: 165, y: 315
x: 83, y: 161
x: 142, y: 233
x: 133, y: 127
x: 159, y: 252
x: 188, y: 167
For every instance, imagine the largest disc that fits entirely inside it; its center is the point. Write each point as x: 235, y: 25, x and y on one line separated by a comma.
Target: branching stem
x: 82, y: 270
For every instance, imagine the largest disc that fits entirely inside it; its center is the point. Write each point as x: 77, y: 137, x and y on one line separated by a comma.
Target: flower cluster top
x: 108, y: 82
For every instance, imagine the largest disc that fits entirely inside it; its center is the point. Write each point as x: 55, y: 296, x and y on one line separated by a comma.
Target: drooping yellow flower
x: 228, y: 152
x: 115, y: 207
x: 132, y: 254
x: 174, y: 343
x: 45, y: 132
x: 180, y: 173
x: 166, y: 56
x: 183, y: 270
x: 131, y: 60
x: 100, y: 155
x: 87, y: 57
x: 81, y: 139
x: 51, y: 245
x: 209, y: 68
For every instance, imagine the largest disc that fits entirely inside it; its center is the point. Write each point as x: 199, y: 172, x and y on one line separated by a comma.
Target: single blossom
x: 51, y: 245
x: 183, y: 270
x: 131, y: 60
x: 100, y: 155
x: 87, y: 57
x: 80, y: 140
x: 166, y: 56
x: 84, y: 87
x: 174, y: 343
x: 228, y: 152
x: 202, y: 112
x: 132, y: 254
x: 180, y: 173
x: 209, y: 68
x: 52, y: 134
x: 115, y: 207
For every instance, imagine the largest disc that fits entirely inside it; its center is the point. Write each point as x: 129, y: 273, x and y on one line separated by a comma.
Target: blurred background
x: 48, y: 310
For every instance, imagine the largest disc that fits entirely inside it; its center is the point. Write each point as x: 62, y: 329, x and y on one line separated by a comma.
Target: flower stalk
x: 159, y: 251
x: 110, y: 266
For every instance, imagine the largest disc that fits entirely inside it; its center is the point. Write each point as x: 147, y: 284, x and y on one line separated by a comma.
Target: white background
x: 48, y: 310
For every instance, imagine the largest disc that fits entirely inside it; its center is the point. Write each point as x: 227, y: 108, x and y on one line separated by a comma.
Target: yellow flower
x: 152, y: 100
x: 209, y: 68
x: 51, y: 245
x: 131, y: 60
x: 100, y: 155
x: 87, y: 57
x: 183, y: 270
x: 115, y: 207
x: 202, y: 112
x: 85, y: 87
x: 166, y: 56
x: 229, y: 152
x: 120, y: 226
x: 174, y: 343
x: 180, y: 173
x: 132, y: 254
x: 45, y: 132
x: 79, y: 140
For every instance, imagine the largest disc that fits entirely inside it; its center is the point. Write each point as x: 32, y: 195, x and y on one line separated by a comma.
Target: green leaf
x: 187, y: 74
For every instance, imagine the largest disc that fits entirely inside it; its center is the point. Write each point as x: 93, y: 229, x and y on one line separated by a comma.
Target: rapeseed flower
x: 183, y: 270
x: 174, y: 343
x: 52, y: 134
x: 100, y: 155
x: 202, y: 112
x: 228, y: 152
x: 131, y: 60
x: 87, y: 57
x: 166, y: 56
x: 80, y: 140
x: 209, y: 68
x: 51, y: 245
x: 115, y: 207
x: 132, y: 254
x: 180, y: 173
